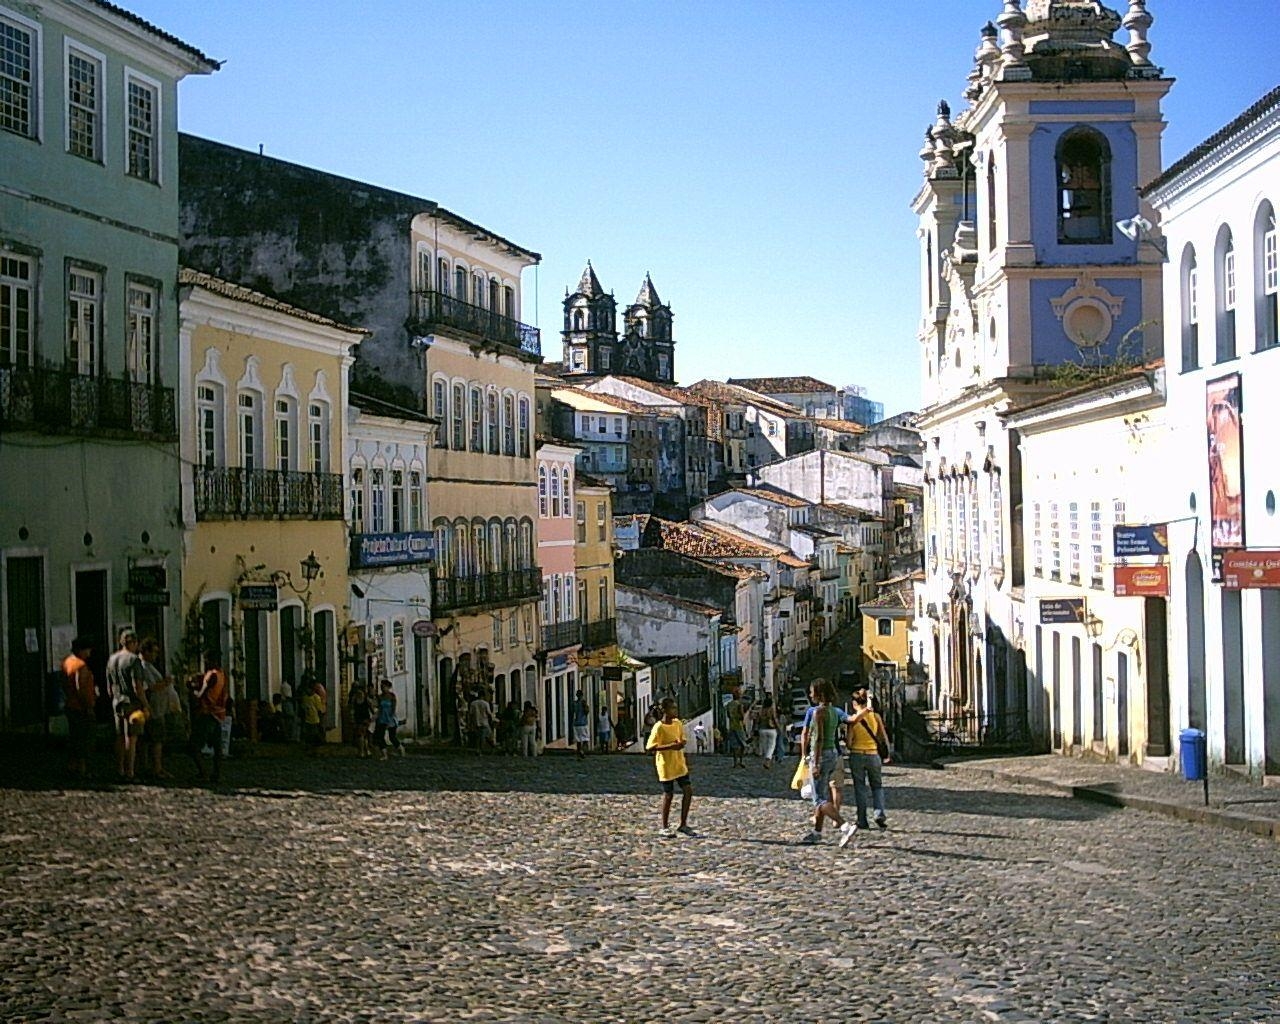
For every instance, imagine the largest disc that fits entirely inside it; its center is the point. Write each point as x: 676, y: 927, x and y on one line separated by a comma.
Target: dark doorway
x: 291, y: 661
x: 1099, y: 698
x: 24, y: 582
x: 1077, y: 696
x: 421, y: 663
x: 1156, y: 642
x: 254, y: 634
x: 1055, y: 667
x: 148, y: 622
x: 447, y: 703
x: 325, y: 665
x: 1232, y: 677
x: 1197, y: 717
x: 1270, y: 602
x: 91, y: 621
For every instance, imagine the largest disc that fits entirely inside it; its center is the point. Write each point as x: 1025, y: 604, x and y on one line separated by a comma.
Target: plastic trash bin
x: 1192, y: 755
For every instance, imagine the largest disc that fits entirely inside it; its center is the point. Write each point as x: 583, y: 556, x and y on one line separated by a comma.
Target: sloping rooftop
x: 783, y: 385
x: 841, y: 426
x: 238, y: 292
x: 379, y: 407
x: 853, y: 512
x: 589, y: 284
x: 733, y: 394
x: 159, y: 33
x: 753, y: 547
x: 778, y: 497
x: 898, y: 593
x: 590, y: 401
x: 710, y: 611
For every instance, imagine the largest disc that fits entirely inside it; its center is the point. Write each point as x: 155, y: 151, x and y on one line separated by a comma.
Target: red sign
x: 1142, y: 580
x: 1242, y: 570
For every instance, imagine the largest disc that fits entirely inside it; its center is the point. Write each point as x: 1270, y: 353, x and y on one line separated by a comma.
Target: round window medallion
x: 1087, y: 323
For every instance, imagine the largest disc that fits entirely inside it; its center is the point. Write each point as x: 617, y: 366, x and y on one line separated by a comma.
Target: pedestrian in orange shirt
x: 81, y: 693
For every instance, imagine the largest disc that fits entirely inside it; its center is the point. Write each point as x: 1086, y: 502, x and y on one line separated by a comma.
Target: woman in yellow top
x: 667, y: 741
x: 865, y: 735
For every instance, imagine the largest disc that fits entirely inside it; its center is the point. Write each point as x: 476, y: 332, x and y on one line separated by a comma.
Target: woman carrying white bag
x: 820, y: 753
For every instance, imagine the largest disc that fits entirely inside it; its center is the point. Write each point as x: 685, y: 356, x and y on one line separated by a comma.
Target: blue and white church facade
x: 1027, y: 284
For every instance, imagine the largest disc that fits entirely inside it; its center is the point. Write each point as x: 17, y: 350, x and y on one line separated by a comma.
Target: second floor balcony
x: 226, y: 492
x: 601, y: 633
x: 64, y: 402
x: 557, y: 635
x: 434, y: 310
x: 487, y: 590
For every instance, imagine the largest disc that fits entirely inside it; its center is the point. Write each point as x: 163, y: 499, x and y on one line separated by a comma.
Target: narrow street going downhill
x: 454, y: 888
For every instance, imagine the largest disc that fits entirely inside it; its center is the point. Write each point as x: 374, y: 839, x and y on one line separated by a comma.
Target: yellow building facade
x: 593, y: 561
x: 263, y: 400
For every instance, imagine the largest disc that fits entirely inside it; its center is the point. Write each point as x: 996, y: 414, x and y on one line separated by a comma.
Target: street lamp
x: 311, y: 571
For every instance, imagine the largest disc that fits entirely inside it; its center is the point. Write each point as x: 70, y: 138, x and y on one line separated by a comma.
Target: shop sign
x: 374, y: 550
x: 1142, y: 540
x: 424, y: 628
x: 258, y: 597
x: 1246, y: 570
x: 1061, y: 610
x: 1142, y: 580
x: 148, y: 585
x: 613, y: 673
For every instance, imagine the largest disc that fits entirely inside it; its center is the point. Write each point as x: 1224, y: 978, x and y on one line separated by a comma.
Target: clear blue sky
x: 757, y: 158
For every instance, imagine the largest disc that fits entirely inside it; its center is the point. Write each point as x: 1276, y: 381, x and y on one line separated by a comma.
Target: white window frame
x: 415, y: 499
x: 378, y: 499
x: 138, y: 79
x: 1095, y: 544
x: 493, y: 425
x: 84, y: 320
x: 1270, y: 260
x: 285, y: 433
x: 34, y: 86
x: 398, y: 503
x: 142, y: 311
x: 555, y: 492
x: 1229, y: 278
x: 542, y: 492
x: 566, y: 488
x: 475, y: 417
x: 98, y: 113
x: 523, y: 425
x: 440, y: 409
x: 208, y: 425
x: 318, y: 435
x: 509, y: 425
x: 250, y: 437
x: 357, y: 499
x: 397, y: 645
x: 18, y: 349
x: 458, y: 416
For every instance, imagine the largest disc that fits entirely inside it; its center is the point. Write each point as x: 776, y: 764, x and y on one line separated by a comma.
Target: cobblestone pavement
x: 456, y: 888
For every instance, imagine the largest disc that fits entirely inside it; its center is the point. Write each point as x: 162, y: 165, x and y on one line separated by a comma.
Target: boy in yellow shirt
x: 667, y: 741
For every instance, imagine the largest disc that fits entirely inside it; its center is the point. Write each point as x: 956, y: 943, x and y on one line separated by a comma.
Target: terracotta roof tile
x: 710, y: 611
x: 782, y: 385
x: 841, y: 426
x: 231, y: 290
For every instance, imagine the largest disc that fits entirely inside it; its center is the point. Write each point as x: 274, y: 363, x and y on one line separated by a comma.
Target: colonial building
x: 593, y: 555
x: 1217, y: 213
x: 1024, y: 272
x: 90, y: 531
x: 442, y: 300
x: 392, y: 551
x: 591, y: 344
x: 560, y: 635
x: 264, y: 573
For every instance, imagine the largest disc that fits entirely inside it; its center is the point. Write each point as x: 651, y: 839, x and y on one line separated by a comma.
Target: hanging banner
x: 1246, y: 570
x: 1140, y: 540
x: 1226, y: 467
x: 1141, y: 580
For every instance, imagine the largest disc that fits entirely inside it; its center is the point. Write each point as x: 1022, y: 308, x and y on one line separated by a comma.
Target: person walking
x: 162, y: 700
x: 667, y: 741
x: 80, y: 694
x: 581, y: 723
x: 313, y: 708
x: 767, y: 730
x: 210, y: 700
x: 529, y: 730
x: 384, y: 732
x: 509, y: 726
x: 820, y: 743
x: 127, y: 687
x: 362, y: 715
x: 866, y: 737
x: 604, y: 730
x: 735, y: 713
x: 480, y: 717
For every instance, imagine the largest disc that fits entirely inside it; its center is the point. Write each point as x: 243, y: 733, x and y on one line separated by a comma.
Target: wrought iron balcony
x: 62, y: 402
x: 600, y: 634
x: 455, y: 593
x: 556, y: 635
x: 224, y: 492
x: 433, y: 310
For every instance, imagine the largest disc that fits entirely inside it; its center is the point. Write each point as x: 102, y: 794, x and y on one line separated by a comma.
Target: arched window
x: 542, y: 491
x: 508, y: 425
x: 495, y: 295
x: 509, y: 301
x: 477, y: 290
x: 444, y: 549
x: 566, y: 508
x: 249, y: 425
x: 286, y: 435
x: 462, y: 561
x: 442, y: 276
x: 495, y: 545
x: 460, y: 283
x: 318, y: 436
x: 991, y: 201
x: 524, y: 427
x: 555, y: 492
x: 1266, y: 279
x: 1084, y: 187
x: 1189, y: 277
x: 492, y: 425
x: 209, y: 429
x: 357, y: 499
x: 1224, y: 297
x: 477, y: 420
x: 440, y: 409
x: 577, y: 319
x: 509, y: 545
x: 458, y: 418
x: 526, y: 545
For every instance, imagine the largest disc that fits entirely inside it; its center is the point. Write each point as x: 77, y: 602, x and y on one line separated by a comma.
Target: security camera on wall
x: 1135, y: 227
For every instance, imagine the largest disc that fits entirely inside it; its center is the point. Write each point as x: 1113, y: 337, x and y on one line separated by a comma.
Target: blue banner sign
x: 1062, y: 610
x: 1138, y: 541
x: 258, y: 597
x: 373, y: 550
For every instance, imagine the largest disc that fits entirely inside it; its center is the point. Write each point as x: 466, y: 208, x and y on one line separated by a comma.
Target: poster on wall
x: 1142, y: 580
x: 1226, y: 467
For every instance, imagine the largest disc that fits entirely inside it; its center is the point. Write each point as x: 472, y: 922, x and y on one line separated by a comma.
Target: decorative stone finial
x: 988, y: 52
x: 944, y: 114
x: 1012, y: 22
x: 1138, y: 21
x: 926, y: 151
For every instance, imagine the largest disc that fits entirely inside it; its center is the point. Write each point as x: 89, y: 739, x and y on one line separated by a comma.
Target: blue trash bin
x: 1192, y: 755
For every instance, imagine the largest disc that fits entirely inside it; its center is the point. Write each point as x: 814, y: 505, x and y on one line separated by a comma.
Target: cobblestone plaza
x: 452, y: 888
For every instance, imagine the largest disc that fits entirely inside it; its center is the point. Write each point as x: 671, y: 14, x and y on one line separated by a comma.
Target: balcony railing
x: 556, y: 635
x: 224, y: 492
x: 600, y: 634
x: 433, y: 309
x: 452, y: 593
x: 61, y: 402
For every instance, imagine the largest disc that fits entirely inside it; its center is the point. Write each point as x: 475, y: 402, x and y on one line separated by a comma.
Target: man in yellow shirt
x: 667, y: 741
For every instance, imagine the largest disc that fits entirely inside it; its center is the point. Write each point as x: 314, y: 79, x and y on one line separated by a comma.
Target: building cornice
x: 1133, y: 392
